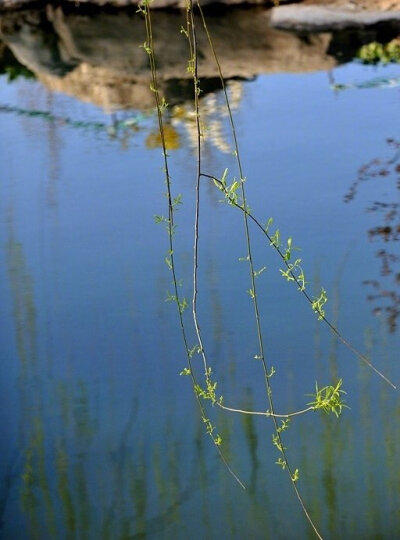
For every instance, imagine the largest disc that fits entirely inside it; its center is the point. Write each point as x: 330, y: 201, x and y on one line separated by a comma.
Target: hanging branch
x: 328, y: 398
x: 298, y: 279
x: 181, y: 303
x: 277, y: 437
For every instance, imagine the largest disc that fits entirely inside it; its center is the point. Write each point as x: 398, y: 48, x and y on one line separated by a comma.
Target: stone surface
x: 96, y: 55
x: 99, y: 58
x: 364, y: 5
x: 156, y: 4
x: 370, y: 5
x: 318, y: 18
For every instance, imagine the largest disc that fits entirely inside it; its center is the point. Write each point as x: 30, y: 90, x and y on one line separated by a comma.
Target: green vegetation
x: 375, y: 52
x: 14, y: 70
x: 328, y: 399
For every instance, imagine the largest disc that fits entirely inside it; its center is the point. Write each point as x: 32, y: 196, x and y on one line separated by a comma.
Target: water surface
x: 101, y: 436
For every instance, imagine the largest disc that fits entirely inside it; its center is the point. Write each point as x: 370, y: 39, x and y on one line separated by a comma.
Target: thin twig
x: 252, y: 279
x: 333, y: 328
x: 265, y: 413
x: 154, y: 85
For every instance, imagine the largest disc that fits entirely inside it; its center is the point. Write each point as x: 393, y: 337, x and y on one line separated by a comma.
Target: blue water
x: 101, y: 437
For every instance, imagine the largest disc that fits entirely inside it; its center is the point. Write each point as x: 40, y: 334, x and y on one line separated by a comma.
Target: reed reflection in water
x: 102, y: 438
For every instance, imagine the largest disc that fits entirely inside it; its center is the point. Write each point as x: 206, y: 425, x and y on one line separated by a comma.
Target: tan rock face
x: 162, y: 4
x: 350, y: 4
x: 318, y: 18
x: 103, y: 88
x: 156, y: 4
x: 99, y: 58
x: 366, y: 5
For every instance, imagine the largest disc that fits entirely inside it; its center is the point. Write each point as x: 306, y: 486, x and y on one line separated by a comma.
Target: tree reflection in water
x: 384, y: 293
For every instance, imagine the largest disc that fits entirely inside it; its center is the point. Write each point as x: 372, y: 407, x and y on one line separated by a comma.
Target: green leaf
x: 329, y: 399
x: 258, y: 272
x: 296, y: 475
x: 223, y: 178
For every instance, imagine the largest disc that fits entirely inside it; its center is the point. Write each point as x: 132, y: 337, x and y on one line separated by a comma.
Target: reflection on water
x: 387, y: 233
x: 125, y: 126
x: 97, y: 56
x: 101, y: 437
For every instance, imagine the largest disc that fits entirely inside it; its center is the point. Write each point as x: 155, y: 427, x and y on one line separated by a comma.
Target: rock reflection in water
x: 96, y: 56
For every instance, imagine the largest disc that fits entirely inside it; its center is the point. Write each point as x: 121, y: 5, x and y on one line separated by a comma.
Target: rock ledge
x: 316, y: 18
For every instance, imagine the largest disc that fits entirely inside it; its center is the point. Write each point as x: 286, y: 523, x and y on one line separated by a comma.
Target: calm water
x: 100, y: 435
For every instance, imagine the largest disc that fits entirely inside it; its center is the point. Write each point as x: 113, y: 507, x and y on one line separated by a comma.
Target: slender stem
x: 332, y: 327
x: 252, y: 278
x: 192, y: 40
x: 266, y: 413
x: 155, y: 88
x: 192, y: 37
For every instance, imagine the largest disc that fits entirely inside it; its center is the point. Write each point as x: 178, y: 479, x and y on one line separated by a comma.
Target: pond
x: 101, y: 437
